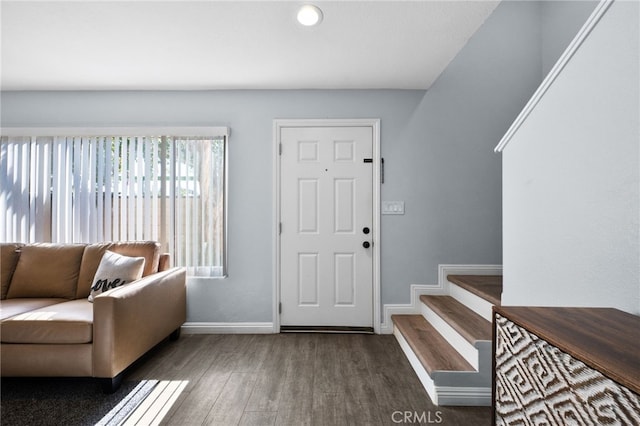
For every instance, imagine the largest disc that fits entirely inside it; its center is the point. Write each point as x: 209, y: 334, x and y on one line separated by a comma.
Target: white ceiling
x: 189, y: 45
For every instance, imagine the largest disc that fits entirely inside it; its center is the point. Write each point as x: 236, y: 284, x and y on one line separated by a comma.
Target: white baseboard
x: 228, y: 328
x: 444, y: 270
x: 442, y: 288
x: 467, y: 396
x: 413, y: 307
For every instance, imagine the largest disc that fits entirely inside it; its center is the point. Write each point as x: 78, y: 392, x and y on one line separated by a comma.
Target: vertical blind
x: 88, y: 189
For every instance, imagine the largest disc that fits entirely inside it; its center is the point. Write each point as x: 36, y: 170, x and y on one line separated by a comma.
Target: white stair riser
x: 423, y: 375
x: 471, y: 301
x: 455, y: 339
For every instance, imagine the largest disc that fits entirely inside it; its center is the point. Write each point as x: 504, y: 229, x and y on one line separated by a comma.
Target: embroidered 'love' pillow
x: 114, y: 271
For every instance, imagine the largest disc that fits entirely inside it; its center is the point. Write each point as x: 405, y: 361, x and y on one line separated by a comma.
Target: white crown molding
x: 582, y: 35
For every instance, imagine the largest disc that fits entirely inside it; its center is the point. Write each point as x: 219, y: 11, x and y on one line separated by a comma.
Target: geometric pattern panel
x: 538, y: 384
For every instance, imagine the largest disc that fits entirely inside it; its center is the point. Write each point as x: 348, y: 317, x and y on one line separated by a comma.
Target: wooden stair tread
x: 488, y: 287
x: 433, y: 350
x: 469, y: 324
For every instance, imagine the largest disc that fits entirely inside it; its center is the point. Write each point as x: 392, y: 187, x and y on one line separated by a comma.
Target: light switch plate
x: 393, y: 207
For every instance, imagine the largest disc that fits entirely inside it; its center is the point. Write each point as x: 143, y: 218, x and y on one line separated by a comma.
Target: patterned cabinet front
x: 538, y: 384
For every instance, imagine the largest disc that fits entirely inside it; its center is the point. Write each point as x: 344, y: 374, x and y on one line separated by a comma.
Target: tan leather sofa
x: 49, y: 328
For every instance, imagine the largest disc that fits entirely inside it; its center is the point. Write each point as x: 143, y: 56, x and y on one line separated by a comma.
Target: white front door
x: 326, y: 212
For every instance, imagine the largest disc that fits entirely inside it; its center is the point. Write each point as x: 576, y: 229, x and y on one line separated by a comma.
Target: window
x: 119, y: 186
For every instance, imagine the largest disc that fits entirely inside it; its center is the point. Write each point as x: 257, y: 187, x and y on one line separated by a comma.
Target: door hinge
x: 280, y: 307
x: 280, y: 149
x: 280, y: 228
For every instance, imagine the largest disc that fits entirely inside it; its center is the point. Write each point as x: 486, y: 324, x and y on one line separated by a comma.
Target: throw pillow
x: 115, y: 270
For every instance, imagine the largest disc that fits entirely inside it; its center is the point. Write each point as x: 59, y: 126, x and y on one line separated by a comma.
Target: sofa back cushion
x: 9, y: 254
x: 47, y: 270
x: 150, y: 250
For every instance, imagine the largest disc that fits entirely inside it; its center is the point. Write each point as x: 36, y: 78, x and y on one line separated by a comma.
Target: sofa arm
x: 130, y: 320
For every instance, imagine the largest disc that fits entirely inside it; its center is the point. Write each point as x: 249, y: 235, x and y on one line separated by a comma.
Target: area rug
x: 68, y: 401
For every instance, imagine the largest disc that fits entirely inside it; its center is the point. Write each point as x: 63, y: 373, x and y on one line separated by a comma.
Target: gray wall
x: 246, y: 295
x: 447, y: 172
x: 572, y: 179
x: 437, y: 146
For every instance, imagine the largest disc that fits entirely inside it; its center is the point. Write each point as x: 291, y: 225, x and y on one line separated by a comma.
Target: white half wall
x: 571, y: 179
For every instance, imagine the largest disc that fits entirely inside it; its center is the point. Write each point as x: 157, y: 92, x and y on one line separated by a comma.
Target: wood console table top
x: 605, y: 339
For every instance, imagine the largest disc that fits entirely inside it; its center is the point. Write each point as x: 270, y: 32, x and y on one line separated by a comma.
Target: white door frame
x: 278, y: 124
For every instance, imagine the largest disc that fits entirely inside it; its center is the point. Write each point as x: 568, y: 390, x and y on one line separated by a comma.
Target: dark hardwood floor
x: 296, y: 379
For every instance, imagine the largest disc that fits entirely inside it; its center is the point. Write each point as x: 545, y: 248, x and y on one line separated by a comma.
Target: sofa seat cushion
x: 63, y: 323
x: 12, y: 307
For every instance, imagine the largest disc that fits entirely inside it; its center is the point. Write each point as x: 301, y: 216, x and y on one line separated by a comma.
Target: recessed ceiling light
x: 309, y: 15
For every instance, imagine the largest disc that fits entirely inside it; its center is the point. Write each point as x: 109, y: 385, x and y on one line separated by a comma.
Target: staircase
x: 449, y: 343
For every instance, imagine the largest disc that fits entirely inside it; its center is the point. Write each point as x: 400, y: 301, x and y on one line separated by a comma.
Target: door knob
x: 366, y: 244
x: 365, y: 230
